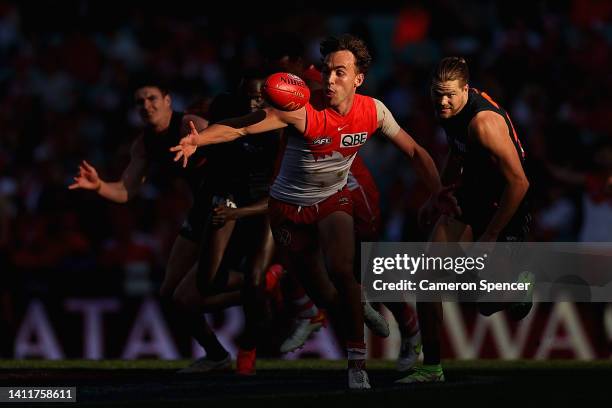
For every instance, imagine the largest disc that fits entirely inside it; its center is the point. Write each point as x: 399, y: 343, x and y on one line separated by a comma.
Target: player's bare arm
x: 451, y: 171
x: 490, y: 130
x: 126, y: 187
x: 133, y: 176
x: 222, y: 214
x: 421, y: 160
x: 227, y: 130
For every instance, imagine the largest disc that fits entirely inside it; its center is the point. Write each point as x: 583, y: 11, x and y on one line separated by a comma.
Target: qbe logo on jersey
x: 353, y: 139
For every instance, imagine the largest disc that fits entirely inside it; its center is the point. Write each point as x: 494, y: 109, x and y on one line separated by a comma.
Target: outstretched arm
x: 225, y: 131
x: 118, y: 191
x: 199, y: 122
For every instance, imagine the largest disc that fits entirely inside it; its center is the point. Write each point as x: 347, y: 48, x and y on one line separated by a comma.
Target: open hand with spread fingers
x: 87, y: 178
x: 187, y: 146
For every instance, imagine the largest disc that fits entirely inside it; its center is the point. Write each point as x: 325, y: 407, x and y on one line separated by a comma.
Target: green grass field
x: 311, y: 382
x: 305, y: 364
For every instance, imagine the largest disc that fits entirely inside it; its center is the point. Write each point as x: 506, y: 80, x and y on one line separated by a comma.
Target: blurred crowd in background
x: 67, y: 72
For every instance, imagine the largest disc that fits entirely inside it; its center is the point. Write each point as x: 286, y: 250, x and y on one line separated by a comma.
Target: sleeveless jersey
x: 479, y: 172
x: 315, y: 165
x: 157, y: 149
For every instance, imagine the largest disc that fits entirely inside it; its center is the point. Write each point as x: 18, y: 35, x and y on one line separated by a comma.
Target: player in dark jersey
x: 310, y: 205
x: 487, y: 164
x: 240, y: 174
x: 163, y: 128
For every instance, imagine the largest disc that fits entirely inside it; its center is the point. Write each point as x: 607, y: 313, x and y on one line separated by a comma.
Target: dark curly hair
x: 350, y: 43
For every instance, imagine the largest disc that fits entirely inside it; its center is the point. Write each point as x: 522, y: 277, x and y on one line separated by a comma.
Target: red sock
x: 273, y: 276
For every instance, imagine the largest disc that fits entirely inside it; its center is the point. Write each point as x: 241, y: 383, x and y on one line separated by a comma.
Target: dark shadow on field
x: 297, y: 388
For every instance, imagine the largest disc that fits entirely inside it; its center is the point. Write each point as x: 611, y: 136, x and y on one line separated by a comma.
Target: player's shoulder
x: 486, y: 121
x: 198, y: 121
x: 378, y: 103
x: 366, y: 101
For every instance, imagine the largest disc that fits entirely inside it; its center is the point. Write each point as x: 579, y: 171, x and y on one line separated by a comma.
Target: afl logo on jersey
x: 353, y: 139
x: 321, y: 141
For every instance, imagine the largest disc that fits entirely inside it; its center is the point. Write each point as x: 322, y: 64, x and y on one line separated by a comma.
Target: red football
x: 286, y: 91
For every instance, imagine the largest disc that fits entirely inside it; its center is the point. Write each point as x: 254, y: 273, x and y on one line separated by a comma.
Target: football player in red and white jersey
x: 310, y: 205
x: 285, y: 54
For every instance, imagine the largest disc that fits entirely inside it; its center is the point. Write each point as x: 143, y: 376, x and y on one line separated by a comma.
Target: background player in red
x: 486, y: 161
x: 310, y: 206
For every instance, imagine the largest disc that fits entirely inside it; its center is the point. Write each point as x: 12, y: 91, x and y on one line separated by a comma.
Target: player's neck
x: 163, y: 125
x: 345, y: 106
x: 465, y: 102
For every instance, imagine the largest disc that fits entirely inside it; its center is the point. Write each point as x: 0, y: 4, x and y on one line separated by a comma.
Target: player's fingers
x: 175, y: 148
x: 178, y: 155
x: 87, y: 166
x: 193, y: 128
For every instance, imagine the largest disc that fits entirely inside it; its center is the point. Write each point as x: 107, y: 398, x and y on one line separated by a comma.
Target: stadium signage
x: 116, y: 328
